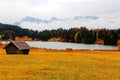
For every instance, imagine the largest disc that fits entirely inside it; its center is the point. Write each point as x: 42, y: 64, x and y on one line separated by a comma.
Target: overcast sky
x: 14, y: 10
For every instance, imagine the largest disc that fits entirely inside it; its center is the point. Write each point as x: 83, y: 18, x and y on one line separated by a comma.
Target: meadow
x: 42, y: 64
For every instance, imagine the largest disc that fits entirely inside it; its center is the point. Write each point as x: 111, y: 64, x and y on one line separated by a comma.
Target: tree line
x: 74, y: 35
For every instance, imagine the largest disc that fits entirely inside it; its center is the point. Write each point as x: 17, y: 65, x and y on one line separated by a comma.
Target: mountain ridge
x: 38, y: 20
x: 90, y: 22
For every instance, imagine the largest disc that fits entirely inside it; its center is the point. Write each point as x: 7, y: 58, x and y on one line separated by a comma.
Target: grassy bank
x: 60, y: 65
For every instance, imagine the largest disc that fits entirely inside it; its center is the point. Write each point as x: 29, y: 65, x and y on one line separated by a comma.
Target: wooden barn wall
x: 11, y: 49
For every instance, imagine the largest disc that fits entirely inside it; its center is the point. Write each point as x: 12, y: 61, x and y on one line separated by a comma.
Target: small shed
x: 118, y: 44
x: 17, y: 47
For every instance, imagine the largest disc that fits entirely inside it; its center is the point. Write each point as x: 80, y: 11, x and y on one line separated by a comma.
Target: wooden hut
x: 17, y: 47
x: 118, y: 44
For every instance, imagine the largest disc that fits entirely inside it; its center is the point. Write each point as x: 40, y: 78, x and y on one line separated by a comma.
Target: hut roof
x: 21, y: 45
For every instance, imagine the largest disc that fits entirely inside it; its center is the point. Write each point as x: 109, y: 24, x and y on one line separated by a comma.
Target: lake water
x: 64, y: 45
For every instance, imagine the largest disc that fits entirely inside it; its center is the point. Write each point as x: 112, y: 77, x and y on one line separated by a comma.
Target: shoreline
x: 72, y: 49
x: 51, y: 41
x: 67, y: 49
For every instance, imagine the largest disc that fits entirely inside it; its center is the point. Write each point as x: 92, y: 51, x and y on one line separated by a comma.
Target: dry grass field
x: 43, y: 64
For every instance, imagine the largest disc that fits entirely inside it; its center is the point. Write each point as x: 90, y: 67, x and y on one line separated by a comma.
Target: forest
x: 74, y: 35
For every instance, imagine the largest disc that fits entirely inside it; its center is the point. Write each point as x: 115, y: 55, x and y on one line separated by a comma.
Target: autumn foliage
x: 74, y: 35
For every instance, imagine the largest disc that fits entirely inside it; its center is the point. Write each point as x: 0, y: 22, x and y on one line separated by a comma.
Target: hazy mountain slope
x: 54, y: 23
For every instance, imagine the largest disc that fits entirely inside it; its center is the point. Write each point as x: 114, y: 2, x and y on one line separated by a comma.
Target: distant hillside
x: 8, y: 31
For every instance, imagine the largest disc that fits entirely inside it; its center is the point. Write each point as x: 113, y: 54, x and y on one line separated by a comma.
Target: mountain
x: 86, y: 17
x: 38, y: 21
x: 31, y: 20
x: 90, y: 22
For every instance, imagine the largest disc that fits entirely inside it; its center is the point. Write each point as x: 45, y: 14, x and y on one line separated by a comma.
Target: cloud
x: 14, y: 10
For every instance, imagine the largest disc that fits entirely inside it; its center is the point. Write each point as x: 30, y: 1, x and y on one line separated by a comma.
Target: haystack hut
x: 118, y: 44
x: 17, y: 47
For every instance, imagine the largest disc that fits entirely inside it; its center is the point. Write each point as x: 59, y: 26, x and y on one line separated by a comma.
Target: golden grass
x: 60, y: 65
